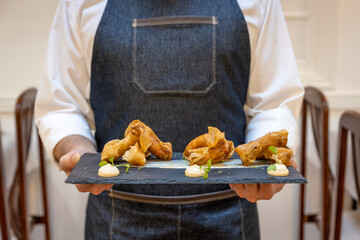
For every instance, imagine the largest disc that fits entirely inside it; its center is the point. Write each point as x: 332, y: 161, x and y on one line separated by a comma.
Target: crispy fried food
x: 148, y: 143
x: 135, y: 155
x: 211, y: 145
x: 256, y: 149
x: 284, y: 155
x: 116, y: 148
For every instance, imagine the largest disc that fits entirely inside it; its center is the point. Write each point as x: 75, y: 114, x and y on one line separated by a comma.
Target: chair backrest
x: 349, y: 124
x: 3, y: 215
x: 19, y: 217
x: 316, y: 105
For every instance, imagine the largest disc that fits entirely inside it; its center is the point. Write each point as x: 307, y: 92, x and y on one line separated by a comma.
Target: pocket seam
x: 186, y: 92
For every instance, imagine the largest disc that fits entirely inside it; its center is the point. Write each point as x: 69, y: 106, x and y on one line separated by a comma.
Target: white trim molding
x: 343, y: 100
x: 7, y: 104
x: 314, y: 33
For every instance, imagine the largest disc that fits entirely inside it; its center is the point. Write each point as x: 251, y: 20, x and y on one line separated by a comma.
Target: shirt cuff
x: 273, y: 120
x: 54, y: 127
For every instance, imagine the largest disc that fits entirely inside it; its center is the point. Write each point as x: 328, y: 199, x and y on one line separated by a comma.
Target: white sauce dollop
x: 194, y: 171
x: 281, y: 171
x: 108, y: 171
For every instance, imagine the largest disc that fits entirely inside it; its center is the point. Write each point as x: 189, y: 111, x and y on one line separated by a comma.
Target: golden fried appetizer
x: 283, y: 155
x: 116, y: 148
x: 135, y: 155
x: 139, y: 140
x: 150, y: 142
x: 256, y: 149
x: 211, y: 145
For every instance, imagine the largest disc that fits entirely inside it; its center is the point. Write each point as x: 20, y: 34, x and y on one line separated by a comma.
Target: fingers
x: 255, y: 192
x: 239, y: 189
x: 293, y: 162
x: 252, y: 192
x: 69, y: 161
x: 95, y: 189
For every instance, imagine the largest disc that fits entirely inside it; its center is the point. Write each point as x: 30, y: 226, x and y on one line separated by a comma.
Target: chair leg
x: 3, y: 221
x: 44, y: 189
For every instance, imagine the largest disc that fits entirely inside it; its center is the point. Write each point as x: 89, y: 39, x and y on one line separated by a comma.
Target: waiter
x: 178, y: 66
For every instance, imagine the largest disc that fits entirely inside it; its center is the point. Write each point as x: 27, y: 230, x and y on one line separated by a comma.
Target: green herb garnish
x: 277, y: 161
x: 207, y: 169
x: 272, y: 167
x: 274, y: 151
x: 103, y: 163
x: 124, y: 164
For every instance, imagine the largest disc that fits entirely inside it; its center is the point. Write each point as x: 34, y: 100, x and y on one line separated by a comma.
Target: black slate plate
x: 87, y: 168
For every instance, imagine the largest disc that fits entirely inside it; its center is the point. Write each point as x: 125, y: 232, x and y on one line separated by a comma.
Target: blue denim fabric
x: 111, y: 218
x: 178, y: 79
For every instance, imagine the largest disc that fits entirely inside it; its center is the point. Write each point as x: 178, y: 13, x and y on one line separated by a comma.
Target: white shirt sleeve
x: 62, y: 107
x: 275, y: 90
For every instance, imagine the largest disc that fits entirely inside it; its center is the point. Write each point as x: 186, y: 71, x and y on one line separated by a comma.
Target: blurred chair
x: 20, y: 221
x: 349, y: 125
x: 316, y: 105
x: 3, y: 215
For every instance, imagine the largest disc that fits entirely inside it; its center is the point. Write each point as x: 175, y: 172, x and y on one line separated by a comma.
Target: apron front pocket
x: 174, y: 55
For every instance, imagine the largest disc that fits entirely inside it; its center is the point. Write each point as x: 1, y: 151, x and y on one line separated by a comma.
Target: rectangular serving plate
x: 173, y: 172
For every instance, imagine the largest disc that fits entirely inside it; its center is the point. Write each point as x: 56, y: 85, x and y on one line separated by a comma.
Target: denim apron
x: 178, y: 66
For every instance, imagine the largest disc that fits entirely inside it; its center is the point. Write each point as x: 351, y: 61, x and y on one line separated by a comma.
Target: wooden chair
x: 3, y: 215
x: 20, y: 221
x: 349, y: 124
x: 316, y: 104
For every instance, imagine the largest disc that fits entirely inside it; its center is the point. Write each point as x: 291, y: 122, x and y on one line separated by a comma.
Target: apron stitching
x: 179, y: 222
x: 134, y: 58
x: 214, y: 54
x: 144, y: 90
x: 112, y: 218
x: 242, y: 221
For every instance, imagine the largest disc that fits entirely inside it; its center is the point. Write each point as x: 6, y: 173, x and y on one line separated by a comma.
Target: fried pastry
x: 259, y: 148
x: 116, y: 148
x: 211, y: 145
x: 135, y: 155
x: 139, y: 140
x: 150, y: 142
x: 283, y: 154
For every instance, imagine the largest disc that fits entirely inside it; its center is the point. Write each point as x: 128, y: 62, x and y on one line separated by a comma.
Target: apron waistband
x: 173, y: 200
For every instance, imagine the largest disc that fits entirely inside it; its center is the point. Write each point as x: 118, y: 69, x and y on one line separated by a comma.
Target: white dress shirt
x: 63, y: 108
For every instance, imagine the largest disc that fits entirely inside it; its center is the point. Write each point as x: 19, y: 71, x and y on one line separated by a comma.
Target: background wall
x: 325, y: 36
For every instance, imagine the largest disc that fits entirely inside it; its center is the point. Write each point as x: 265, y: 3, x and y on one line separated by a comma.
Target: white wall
x: 326, y: 44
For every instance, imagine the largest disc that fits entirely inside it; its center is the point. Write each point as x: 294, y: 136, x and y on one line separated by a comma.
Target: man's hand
x: 255, y: 192
x: 68, y: 152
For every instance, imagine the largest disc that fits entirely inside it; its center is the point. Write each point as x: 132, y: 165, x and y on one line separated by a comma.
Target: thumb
x: 69, y: 161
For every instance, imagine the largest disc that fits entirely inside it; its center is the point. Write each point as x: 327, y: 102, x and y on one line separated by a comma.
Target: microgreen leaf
x: 273, y: 149
x: 127, y: 167
x: 112, y: 160
x: 207, y: 169
x: 272, y: 167
x: 209, y: 165
x: 103, y: 163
